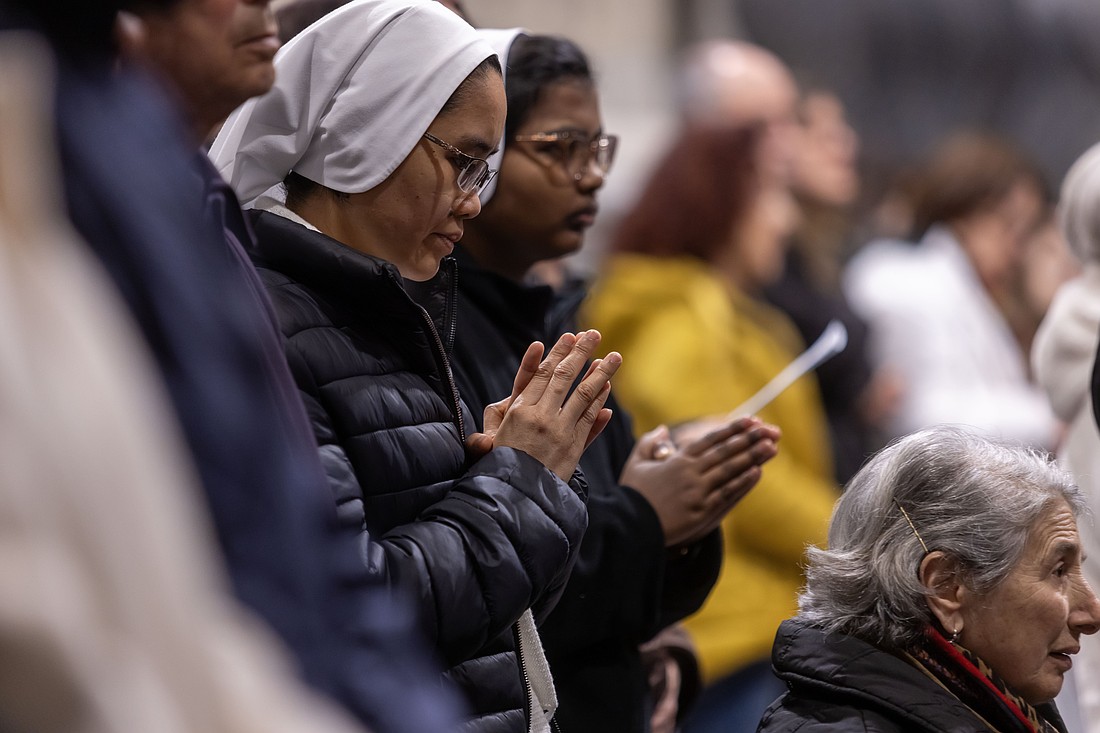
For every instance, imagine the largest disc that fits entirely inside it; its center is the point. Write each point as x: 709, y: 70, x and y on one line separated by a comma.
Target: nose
x: 1084, y: 617
x: 591, y: 178
x: 468, y: 205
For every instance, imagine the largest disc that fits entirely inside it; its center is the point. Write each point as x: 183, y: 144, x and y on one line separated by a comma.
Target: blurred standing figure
x: 934, y: 307
x: 814, y: 151
x: 681, y: 297
x: 1063, y: 356
x: 826, y: 184
x: 735, y: 84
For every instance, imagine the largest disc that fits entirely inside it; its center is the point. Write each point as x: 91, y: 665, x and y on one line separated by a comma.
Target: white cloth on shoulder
x: 353, y: 95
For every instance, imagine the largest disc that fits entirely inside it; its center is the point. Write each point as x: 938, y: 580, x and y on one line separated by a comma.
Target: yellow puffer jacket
x: 694, y: 346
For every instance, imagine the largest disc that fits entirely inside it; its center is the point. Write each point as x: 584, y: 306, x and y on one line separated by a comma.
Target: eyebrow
x: 1066, y: 548
x: 479, y: 146
x: 572, y: 128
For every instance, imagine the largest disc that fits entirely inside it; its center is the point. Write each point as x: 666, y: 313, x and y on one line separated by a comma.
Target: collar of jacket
x: 357, y: 281
x: 841, y: 668
x: 518, y: 310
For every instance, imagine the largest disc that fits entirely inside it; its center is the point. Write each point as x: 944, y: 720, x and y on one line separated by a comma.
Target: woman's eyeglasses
x: 473, y: 173
x: 573, y: 151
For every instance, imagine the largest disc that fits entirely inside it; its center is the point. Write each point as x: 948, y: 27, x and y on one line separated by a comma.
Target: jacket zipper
x: 528, y: 689
x: 441, y: 352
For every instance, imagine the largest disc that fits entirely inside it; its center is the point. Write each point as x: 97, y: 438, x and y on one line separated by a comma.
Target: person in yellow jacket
x: 677, y: 297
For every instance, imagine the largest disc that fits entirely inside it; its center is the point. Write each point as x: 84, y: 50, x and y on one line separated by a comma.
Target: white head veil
x: 353, y: 94
x: 501, y: 42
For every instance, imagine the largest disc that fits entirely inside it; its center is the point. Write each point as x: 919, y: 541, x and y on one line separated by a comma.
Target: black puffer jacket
x: 840, y: 683
x: 475, y: 544
x: 625, y: 587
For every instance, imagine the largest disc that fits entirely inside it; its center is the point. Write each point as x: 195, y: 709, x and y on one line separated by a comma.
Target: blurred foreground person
x: 139, y: 198
x: 935, y: 308
x: 115, y: 615
x: 1063, y: 357
x: 951, y: 596
x: 651, y: 552
x: 681, y: 298
x: 364, y: 164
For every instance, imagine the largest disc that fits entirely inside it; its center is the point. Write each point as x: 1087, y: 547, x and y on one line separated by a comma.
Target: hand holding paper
x: 830, y: 343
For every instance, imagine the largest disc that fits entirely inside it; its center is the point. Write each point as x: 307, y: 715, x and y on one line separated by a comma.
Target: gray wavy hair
x: 969, y: 497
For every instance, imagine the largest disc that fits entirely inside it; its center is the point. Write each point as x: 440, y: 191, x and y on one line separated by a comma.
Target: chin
x: 1044, y: 692
x: 568, y: 243
x: 420, y: 273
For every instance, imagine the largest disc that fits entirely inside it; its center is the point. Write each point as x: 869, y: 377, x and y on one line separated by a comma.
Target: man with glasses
x: 644, y: 563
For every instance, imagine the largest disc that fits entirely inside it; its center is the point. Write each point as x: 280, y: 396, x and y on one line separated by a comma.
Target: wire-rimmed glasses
x: 574, y: 150
x: 473, y: 173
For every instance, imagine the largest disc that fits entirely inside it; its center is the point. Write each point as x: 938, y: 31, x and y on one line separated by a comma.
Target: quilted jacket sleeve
x: 501, y: 540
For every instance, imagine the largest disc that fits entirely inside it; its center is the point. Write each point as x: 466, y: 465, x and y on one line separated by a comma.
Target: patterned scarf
x: 977, y: 686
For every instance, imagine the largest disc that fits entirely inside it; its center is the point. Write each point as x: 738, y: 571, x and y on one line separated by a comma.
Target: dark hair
x: 491, y: 65
x: 701, y: 188
x: 299, y: 188
x: 968, y: 172
x: 533, y: 63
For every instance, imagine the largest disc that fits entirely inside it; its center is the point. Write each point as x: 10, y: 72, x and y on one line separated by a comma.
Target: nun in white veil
x: 362, y: 165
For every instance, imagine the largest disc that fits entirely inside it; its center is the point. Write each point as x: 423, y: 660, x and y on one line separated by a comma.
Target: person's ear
x: 947, y: 596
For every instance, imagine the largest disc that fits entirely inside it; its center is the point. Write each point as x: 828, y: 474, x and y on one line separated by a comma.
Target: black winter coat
x: 477, y: 544
x: 625, y: 586
x: 840, y: 683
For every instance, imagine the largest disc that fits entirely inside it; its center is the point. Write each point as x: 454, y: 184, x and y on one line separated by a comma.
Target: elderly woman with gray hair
x: 951, y: 597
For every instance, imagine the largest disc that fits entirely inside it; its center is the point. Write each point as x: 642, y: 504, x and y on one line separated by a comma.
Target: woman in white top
x: 933, y: 308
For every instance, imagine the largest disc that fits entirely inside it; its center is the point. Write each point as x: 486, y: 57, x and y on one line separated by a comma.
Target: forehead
x: 565, y: 103
x: 1053, y: 532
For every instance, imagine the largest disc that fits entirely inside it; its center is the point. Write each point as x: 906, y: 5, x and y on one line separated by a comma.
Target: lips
x: 266, y: 37
x: 1063, y: 661
x: 582, y: 218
